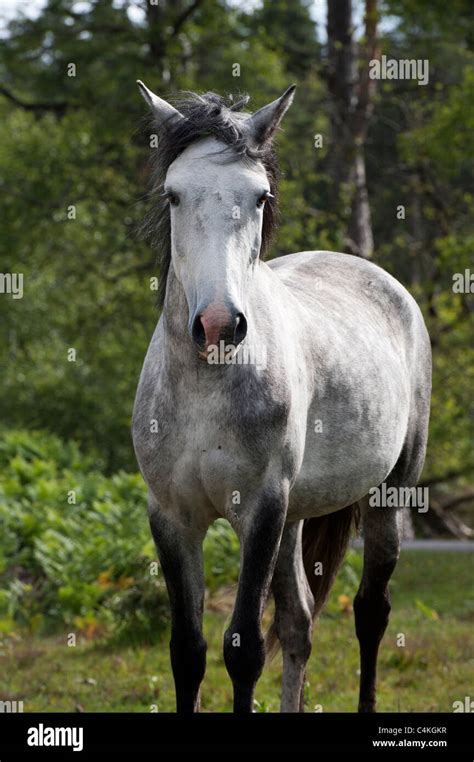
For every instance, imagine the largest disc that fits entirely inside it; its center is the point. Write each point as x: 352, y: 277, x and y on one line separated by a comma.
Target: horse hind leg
x: 382, y: 535
x: 293, y: 622
x: 383, y: 529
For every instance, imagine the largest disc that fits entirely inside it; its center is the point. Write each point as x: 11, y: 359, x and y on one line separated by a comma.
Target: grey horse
x: 331, y: 401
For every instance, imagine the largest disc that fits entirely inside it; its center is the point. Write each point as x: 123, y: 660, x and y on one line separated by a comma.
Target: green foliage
x: 451, y: 124
x: 76, y: 547
x: 221, y: 555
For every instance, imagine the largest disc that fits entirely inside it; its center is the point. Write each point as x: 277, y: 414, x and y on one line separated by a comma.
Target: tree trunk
x: 360, y: 226
x: 166, y: 20
x: 352, y: 95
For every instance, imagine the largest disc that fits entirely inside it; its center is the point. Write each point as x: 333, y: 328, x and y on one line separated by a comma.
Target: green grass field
x: 432, y: 606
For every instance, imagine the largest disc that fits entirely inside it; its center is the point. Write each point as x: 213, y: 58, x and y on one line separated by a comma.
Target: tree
x: 352, y: 92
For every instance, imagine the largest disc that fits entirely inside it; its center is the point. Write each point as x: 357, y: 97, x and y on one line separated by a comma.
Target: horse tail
x: 325, y: 541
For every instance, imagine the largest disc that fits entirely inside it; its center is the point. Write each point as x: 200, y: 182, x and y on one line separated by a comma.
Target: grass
x: 432, y: 608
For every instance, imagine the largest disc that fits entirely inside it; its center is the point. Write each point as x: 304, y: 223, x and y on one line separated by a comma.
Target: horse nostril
x: 216, y: 324
x: 198, y: 332
x: 240, y: 330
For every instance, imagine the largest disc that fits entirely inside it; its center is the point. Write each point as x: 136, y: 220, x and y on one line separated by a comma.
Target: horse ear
x: 264, y: 122
x: 163, y: 112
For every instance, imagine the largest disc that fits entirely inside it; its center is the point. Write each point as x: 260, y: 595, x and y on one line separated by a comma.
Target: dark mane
x: 206, y: 115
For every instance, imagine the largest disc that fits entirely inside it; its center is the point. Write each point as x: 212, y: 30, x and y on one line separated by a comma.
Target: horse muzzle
x: 217, y: 323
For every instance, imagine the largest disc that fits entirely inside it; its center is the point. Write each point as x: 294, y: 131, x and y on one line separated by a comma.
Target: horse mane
x: 206, y: 115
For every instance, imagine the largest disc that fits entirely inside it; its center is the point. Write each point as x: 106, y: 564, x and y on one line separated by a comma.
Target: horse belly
x: 341, y: 464
x: 315, y: 493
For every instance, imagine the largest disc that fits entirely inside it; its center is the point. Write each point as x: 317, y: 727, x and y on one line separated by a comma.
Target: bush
x: 221, y: 555
x: 76, y: 546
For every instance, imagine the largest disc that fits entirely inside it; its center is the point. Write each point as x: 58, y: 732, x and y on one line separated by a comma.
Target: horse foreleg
x: 293, y: 616
x: 180, y: 554
x: 244, y: 648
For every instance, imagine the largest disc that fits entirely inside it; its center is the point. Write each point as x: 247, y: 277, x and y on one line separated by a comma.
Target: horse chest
x: 195, y: 452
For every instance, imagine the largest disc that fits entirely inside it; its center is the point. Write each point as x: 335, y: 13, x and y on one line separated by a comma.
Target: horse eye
x: 173, y: 199
x: 264, y: 197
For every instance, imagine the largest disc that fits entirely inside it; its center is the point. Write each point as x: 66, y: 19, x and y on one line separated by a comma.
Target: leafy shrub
x: 221, y: 555
x: 75, y: 544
